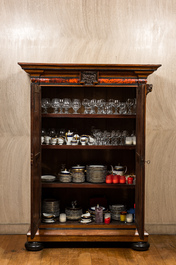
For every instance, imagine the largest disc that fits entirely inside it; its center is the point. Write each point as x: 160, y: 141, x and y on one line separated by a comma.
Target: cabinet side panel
x: 35, y: 158
x: 140, y: 159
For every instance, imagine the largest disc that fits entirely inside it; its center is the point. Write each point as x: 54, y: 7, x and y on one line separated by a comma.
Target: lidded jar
x: 78, y: 174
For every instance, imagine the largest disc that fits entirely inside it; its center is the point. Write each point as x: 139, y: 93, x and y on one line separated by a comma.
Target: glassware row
x: 97, y: 137
x: 91, y: 106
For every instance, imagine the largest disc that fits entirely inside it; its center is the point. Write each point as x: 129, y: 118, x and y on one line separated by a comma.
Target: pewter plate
x: 48, y: 178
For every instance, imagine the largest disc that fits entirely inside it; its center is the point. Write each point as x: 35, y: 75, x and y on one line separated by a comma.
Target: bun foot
x: 140, y: 246
x: 33, y: 246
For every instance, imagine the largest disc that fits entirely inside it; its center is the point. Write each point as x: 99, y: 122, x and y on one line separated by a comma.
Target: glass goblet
x: 122, y: 108
x: 116, y: 105
x: 45, y: 104
x: 100, y: 105
x: 111, y: 103
x: 134, y: 106
x: 86, y: 104
x: 92, y: 104
x: 76, y: 104
x: 61, y: 103
x: 66, y: 104
x: 55, y: 104
x: 130, y: 103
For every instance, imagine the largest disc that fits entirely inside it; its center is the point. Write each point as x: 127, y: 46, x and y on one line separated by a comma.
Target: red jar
x: 109, y: 179
x: 115, y: 179
x: 130, y: 180
x: 122, y: 179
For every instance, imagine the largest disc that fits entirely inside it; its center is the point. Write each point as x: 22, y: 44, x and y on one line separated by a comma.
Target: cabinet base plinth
x: 140, y: 246
x: 86, y: 235
x: 33, y: 246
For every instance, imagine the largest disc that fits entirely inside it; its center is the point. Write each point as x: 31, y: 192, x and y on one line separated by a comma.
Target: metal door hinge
x: 145, y: 161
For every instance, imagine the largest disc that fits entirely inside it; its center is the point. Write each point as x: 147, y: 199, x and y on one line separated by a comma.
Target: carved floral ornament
x: 89, y: 78
x: 149, y: 88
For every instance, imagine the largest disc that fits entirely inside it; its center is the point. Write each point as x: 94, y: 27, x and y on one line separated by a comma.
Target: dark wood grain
x: 97, y: 81
x: 86, y: 185
x: 35, y: 158
x: 140, y: 158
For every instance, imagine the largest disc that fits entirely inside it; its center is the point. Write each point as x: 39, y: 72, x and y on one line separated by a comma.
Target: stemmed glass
x: 134, y: 106
x: 108, y: 106
x: 55, y: 104
x: 45, y: 104
x: 100, y: 105
x: 52, y: 132
x: 76, y: 104
x: 130, y: 103
x: 61, y: 103
x: 116, y: 105
x: 122, y: 108
x: 92, y: 104
x: 66, y: 104
x: 86, y: 105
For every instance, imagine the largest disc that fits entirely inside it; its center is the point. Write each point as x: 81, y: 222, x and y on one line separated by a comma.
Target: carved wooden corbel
x: 149, y: 88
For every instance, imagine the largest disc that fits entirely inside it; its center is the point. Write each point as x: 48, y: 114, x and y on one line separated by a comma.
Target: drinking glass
x: 52, y: 132
x: 130, y: 103
x: 61, y: 103
x: 116, y: 105
x: 134, y: 106
x: 55, y: 104
x: 86, y: 104
x: 122, y: 108
x: 92, y: 104
x: 108, y: 106
x: 111, y: 103
x: 100, y: 105
x: 66, y: 104
x: 46, y: 103
x: 76, y: 104
x: 43, y: 132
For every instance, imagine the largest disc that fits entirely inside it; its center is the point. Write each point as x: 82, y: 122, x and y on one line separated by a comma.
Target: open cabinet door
x: 35, y: 158
x: 140, y: 158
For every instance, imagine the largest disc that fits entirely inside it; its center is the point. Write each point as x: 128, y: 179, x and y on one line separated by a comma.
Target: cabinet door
x: 35, y: 158
x: 140, y: 158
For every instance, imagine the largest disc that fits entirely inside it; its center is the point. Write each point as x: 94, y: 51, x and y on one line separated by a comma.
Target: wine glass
x: 134, y: 106
x: 116, y: 105
x: 61, y: 103
x: 100, y: 105
x: 111, y: 103
x: 55, y: 104
x: 130, y: 103
x: 108, y: 106
x: 122, y: 108
x: 92, y: 104
x: 46, y: 103
x: 76, y: 104
x: 52, y: 132
x: 66, y: 104
x: 86, y: 105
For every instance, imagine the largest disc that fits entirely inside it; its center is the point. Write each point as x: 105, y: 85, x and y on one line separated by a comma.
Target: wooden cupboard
x: 92, y: 81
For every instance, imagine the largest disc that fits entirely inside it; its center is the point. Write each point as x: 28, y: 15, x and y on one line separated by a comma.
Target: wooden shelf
x: 87, y: 147
x: 92, y: 225
x: 86, y: 185
x: 85, y: 116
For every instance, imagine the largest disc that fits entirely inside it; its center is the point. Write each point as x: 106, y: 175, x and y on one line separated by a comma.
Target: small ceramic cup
x: 62, y: 218
x: 53, y: 141
x: 47, y: 139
